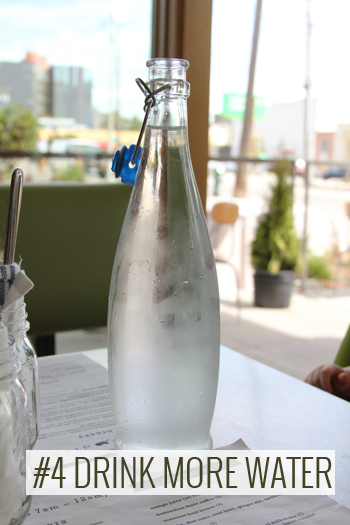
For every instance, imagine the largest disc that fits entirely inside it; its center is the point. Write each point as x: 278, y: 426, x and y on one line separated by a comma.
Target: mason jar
x: 15, y: 320
x: 14, y: 438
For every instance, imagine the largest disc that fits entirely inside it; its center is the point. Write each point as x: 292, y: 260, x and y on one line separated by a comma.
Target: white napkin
x: 14, y: 284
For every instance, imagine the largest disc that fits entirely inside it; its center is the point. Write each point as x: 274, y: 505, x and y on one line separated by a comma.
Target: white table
x: 271, y: 410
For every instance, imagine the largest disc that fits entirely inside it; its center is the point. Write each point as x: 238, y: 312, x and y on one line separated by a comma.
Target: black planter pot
x: 273, y: 290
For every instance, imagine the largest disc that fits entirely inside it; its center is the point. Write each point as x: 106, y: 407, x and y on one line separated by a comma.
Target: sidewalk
x: 293, y: 340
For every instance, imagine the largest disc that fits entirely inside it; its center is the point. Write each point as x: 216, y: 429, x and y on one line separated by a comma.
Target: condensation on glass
x: 15, y: 320
x: 14, y: 438
x: 163, y: 318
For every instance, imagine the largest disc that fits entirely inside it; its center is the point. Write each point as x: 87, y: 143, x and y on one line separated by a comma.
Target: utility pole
x: 306, y: 144
x: 240, y: 188
x: 114, y: 82
x: 111, y: 85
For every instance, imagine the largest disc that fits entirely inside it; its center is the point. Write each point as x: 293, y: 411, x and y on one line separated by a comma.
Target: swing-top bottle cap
x: 121, y: 164
x: 126, y: 160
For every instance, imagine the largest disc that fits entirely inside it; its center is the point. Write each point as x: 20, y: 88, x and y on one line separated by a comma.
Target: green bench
x: 67, y: 238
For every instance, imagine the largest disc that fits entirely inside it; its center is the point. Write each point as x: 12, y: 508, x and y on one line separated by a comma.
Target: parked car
x: 84, y: 148
x: 338, y: 173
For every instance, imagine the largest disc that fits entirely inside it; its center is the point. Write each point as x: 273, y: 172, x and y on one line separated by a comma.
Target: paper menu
x: 75, y: 404
x: 77, y: 414
x: 217, y: 510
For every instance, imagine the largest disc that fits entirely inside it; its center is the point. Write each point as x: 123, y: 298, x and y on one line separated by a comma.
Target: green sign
x: 234, y: 107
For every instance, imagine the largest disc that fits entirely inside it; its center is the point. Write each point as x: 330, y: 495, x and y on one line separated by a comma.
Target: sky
x: 76, y: 32
x: 281, y: 61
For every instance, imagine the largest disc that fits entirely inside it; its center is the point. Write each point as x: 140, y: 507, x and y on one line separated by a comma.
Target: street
x: 328, y: 224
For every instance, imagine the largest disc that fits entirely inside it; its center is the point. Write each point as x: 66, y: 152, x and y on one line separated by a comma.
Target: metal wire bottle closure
x: 150, y: 102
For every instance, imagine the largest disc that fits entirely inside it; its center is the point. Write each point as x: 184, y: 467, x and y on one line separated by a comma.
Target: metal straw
x: 13, y: 215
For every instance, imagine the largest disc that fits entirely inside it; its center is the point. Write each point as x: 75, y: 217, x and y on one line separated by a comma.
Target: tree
x: 276, y: 246
x: 18, y: 129
x: 119, y: 121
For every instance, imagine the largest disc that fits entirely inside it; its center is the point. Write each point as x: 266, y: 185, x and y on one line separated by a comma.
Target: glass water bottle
x: 14, y: 438
x: 163, y: 318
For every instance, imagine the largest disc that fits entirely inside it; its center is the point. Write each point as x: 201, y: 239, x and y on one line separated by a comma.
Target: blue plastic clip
x: 121, y: 164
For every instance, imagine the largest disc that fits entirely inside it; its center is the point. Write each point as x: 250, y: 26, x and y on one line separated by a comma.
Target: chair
x: 67, y: 238
x: 226, y: 213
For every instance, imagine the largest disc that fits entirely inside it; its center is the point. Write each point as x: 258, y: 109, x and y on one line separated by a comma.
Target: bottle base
x: 204, y: 445
x: 22, y: 513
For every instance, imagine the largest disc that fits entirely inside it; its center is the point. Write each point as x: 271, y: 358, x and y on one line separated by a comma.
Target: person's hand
x: 332, y: 379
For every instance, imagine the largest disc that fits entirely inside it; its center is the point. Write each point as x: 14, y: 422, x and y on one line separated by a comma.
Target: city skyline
x: 77, y: 33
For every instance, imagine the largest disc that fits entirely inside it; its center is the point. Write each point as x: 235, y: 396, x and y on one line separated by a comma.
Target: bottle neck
x: 169, y: 113
x: 170, y: 110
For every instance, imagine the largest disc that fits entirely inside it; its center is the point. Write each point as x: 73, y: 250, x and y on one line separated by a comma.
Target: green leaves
x: 276, y: 246
x: 18, y: 129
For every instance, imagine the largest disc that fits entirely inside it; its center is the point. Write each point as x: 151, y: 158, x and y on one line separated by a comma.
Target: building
x: 334, y: 145
x: 70, y: 93
x: 325, y: 146
x: 342, y: 142
x: 25, y: 83
x: 282, y: 133
x: 57, y: 91
x: 221, y: 137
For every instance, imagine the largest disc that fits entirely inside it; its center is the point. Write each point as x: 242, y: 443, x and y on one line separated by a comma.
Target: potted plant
x: 275, y: 249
